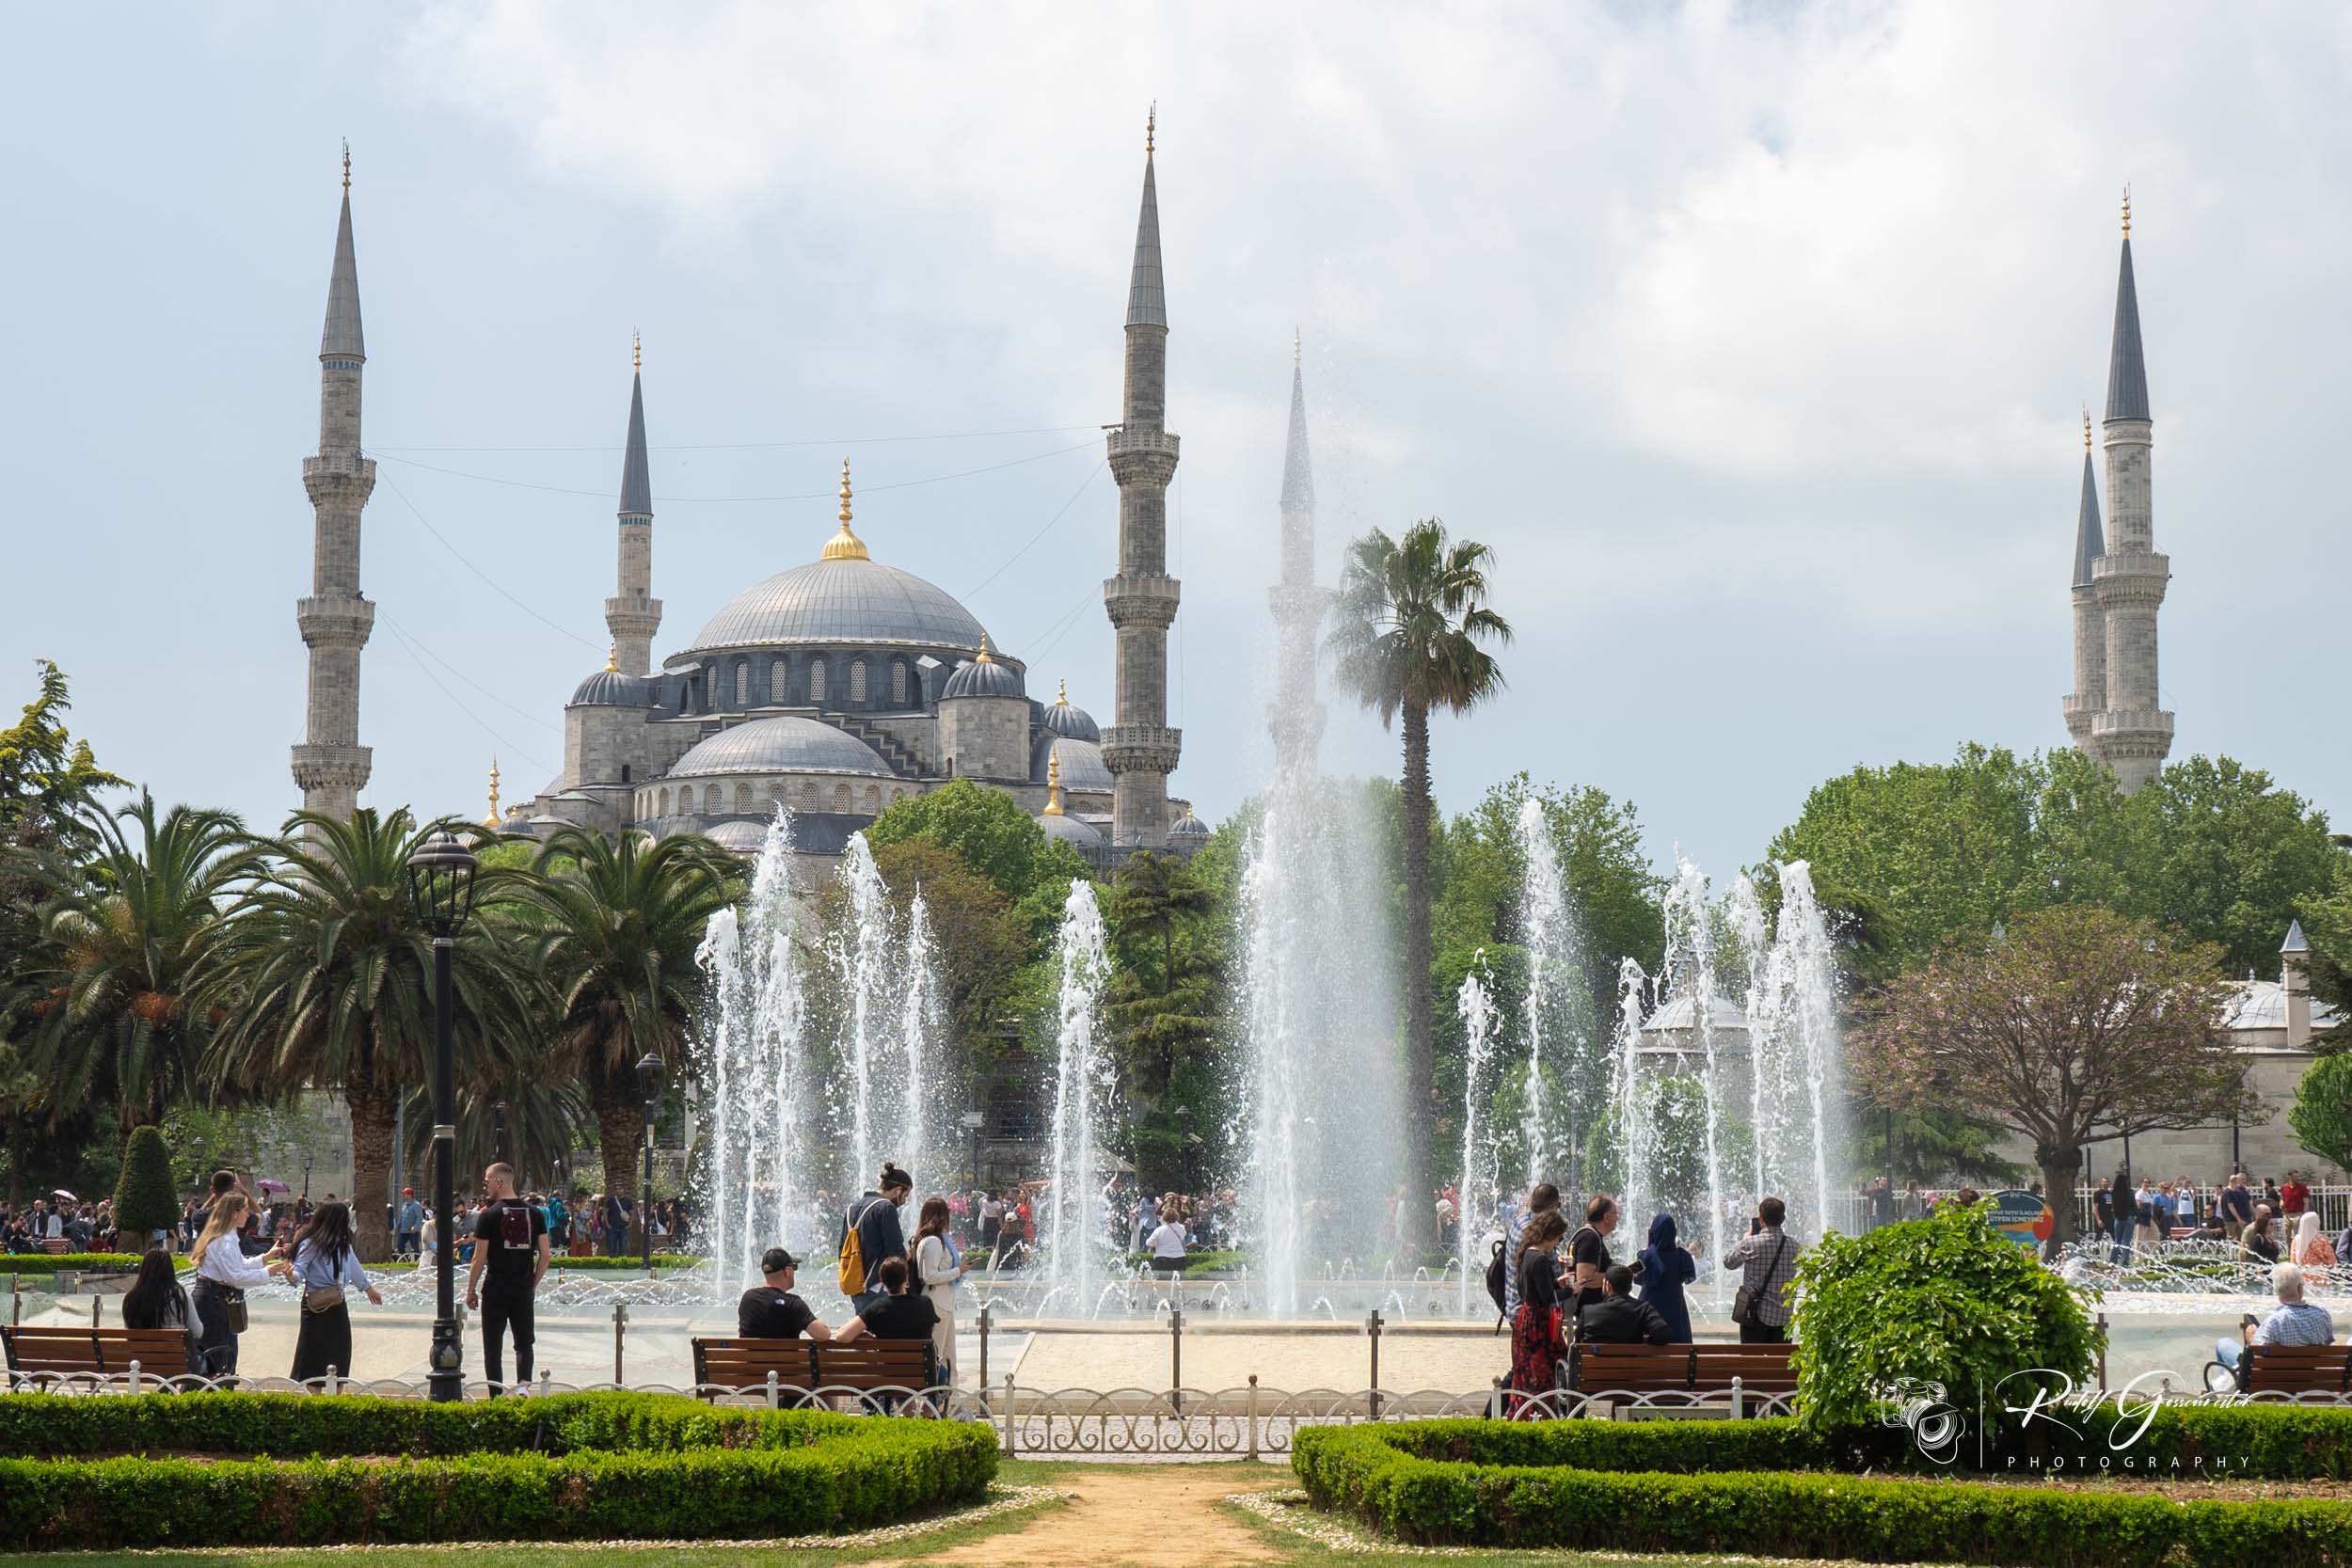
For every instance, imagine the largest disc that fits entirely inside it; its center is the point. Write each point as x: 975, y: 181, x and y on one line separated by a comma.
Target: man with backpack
x: 511, y: 1247
x: 870, y: 1232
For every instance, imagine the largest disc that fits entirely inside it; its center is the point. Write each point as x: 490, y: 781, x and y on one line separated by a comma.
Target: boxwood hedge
x: 570, y: 1468
x: 1768, y: 1488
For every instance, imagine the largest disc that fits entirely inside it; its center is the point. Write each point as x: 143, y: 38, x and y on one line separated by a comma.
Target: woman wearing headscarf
x: 1665, y: 1268
x: 2311, y: 1251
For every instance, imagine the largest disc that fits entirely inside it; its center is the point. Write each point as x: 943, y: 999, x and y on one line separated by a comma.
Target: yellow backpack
x: 849, y: 1271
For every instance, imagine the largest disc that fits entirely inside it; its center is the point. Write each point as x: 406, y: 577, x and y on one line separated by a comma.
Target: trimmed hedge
x: 30, y: 1263
x: 570, y: 1468
x: 1197, y: 1262
x: 1368, y: 1472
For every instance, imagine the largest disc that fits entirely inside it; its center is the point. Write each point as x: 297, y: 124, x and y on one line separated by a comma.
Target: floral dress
x: 1538, y: 1343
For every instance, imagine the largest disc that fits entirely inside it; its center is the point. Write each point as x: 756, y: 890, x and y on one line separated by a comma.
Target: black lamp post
x: 440, y: 882
x: 649, y: 1085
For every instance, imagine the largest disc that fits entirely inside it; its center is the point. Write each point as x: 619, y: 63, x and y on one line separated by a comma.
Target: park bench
x: 2298, y: 1370
x: 37, y: 1355
x: 861, y: 1366
x: 56, y: 1246
x: 1625, y: 1374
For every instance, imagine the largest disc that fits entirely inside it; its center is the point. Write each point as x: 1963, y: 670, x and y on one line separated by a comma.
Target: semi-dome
x: 1064, y: 719
x: 1069, y: 829
x: 983, y: 678
x: 609, y: 688
x: 1082, y: 769
x: 781, y: 745
x: 1188, y: 830
x: 850, y: 601
x: 739, y: 837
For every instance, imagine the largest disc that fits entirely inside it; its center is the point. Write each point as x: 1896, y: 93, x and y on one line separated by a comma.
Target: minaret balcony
x: 1141, y: 601
x: 321, y: 767
x: 335, y: 619
x: 2143, y: 725
x: 1121, y: 440
x: 1141, y: 748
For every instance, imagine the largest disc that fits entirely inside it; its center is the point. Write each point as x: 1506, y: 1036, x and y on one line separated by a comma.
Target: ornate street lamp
x: 649, y: 1085
x: 440, y: 883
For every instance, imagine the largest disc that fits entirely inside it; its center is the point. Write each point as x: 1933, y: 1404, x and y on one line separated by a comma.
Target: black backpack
x: 1496, y: 1276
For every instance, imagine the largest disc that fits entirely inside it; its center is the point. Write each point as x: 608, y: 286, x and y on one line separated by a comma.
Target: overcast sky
x: 1752, y: 338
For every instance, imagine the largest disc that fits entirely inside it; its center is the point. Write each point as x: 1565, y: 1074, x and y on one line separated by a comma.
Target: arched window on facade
x: 779, y: 683
x: 710, y: 799
x: 808, y: 794
x: 624, y: 772
x: 665, y: 800
x: 897, y: 683
x: 857, y: 680
x: 742, y: 683
x: 816, y: 681
x: 775, y: 797
x: 873, y: 800
x: 841, y: 798
x: 742, y: 800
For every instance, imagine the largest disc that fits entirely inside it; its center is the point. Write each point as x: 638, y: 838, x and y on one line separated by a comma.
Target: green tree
x: 988, y: 827
x: 2328, y: 929
x: 1409, y: 635
x: 126, y: 934
x: 978, y: 940
x: 47, y: 778
x: 323, y: 975
x: 1163, y: 998
x: 2074, y: 1027
x: 2322, y: 1113
x: 145, y: 1198
x: 619, y: 923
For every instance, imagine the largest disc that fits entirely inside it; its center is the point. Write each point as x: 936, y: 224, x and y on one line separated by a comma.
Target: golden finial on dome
x: 636, y: 350
x: 1061, y: 693
x: 612, y: 658
x: 1053, y: 786
x: 1295, y: 348
x: 845, y: 545
x: 1151, y: 127
x: 346, y: 165
x: 2086, y: 427
x: 2127, y: 209
x: 983, y: 658
x: 492, y: 820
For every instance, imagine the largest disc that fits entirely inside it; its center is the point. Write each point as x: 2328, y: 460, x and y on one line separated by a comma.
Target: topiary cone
x: 144, y: 1199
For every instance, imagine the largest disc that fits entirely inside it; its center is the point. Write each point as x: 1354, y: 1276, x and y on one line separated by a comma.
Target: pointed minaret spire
x: 632, y: 615
x: 2135, y: 734
x: 1140, y: 747
x: 2089, y: 543
x: 2083, y: 706
x: 1296, y: 715
x: 330, y: 765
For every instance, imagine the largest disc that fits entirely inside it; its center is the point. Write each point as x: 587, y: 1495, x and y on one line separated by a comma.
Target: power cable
x: 461, y: 674
x: 1040, y: 533
x: 704, y: 501
x: 480, y: 573
x: 764, y: 446
x: 509, y: 748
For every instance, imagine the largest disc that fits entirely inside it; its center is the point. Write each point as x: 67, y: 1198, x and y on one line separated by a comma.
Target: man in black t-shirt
x: 511, y: 1247
x: 771, y: 1311
x: 1588, y: 1252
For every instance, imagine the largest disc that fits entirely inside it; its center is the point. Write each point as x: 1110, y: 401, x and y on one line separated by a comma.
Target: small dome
x: 1082, y: 770
x: 1069, y: 829
x: 982, y: 677
x: 1065, y: 720
x: 781, y: 745
x: 739, y: 837
x: 1188, y: 830
x: 1680, y: 1015
x: 609, y: 688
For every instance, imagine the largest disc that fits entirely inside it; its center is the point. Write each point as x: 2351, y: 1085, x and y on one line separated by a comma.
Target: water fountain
x: 1475, y: 1194
x: 1075, y: 1233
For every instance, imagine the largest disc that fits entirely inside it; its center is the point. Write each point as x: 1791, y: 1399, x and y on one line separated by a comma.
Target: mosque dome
x: 1069, y: 829
x: 1188, y: 829
x: 781, y: 745
x: 982, y: 677
x: 1082, y: 769
x: 1065, y: 720
x: 609, y: 688
x: 739, y: 837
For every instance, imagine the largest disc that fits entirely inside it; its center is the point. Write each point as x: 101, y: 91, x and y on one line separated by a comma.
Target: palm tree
x: 1406, y: 638
x: 330, y: 971
x: 617, y: 927
x: 125, y: 932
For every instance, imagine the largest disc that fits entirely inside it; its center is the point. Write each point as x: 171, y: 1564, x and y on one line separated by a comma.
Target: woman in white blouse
x: 223, y: 1275
x: 936, y: 1260
x: 327, y: 1266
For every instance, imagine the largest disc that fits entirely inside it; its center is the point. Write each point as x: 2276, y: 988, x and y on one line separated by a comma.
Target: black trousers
x: 214, y: 1340
x: 323, y: 1345
x: 505, y: 1308
x: 1763, y: 1334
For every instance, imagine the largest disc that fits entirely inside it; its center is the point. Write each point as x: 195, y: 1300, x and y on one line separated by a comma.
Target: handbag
x: 322, y: 1298
x: 1747, y: 1303
x: 234, y: 1306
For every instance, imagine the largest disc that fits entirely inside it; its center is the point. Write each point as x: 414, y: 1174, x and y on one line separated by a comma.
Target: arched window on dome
x: 710, y: 799
x: 665, y: 800
x: 841, y: 798
x: 808, y: 794
x: 897, y: 683
x: 816, y: 682
x: 742, y: 683
x: 873, y: 800
x: 779, y: 683
x: 742, y: 800
x: 775, y: 797
x: 857, y: 680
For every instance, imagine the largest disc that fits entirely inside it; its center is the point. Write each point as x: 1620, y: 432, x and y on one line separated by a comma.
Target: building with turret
x: 2115, y: 713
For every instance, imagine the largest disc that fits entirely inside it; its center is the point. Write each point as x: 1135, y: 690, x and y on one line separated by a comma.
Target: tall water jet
x: 1743, y: 916
x: 1809, y: 1130
x: 1475, y: 1195
x: 1074, y: 1234
x: 1318, y: 1135
x: 1690, y: 973
x: 863, y: 957
x: 1568, y: 1067
x: 750, y: 1062
x: 1543, y: 910
x: 1636, y: 1128
x: 918, y: 1013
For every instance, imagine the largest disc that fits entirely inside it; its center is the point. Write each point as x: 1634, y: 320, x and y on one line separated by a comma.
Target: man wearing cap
x: 408, y: 1228
x: 771, y: 1311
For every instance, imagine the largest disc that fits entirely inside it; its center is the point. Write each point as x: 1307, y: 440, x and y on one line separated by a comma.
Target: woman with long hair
x: 327, y: 1266
x: 223, y: 1275
x: 940, y: 1266
x: 156, y: 1300
x: 1538, y: 1339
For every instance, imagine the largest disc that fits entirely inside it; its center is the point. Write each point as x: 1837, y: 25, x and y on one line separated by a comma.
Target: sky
x: 1752, y: 339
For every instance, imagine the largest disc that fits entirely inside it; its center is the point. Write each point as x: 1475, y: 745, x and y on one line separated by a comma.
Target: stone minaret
x: 2134, y: 735
x: 1140, y: 749
x: 330, y: 765
x: 632, y: 614
x: 2089, y: 699
x: 1296, y: 715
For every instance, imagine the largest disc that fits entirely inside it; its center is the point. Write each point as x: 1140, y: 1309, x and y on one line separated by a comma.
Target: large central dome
x: 842, y: 602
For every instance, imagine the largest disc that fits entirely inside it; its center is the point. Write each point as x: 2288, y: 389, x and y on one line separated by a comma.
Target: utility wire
x: 765, y: 446
x: 700, y: 500
x: 479, y: 571
x: 461, y: 674
x: 509, y: 748
x: 1039, y: 534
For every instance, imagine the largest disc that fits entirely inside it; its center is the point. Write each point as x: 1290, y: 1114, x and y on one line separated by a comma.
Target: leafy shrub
x: 1369, y: 1472
x: 574, y: 1467
x: 32, y: 1264
x: 1197, y: 1262
x: 144, y: 1198
x: 1945, y: 1300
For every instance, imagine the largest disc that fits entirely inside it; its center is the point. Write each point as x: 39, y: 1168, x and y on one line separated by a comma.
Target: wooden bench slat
x: 160, y: 1351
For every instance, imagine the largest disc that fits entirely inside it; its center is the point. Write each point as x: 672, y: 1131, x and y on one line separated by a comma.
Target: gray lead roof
x: 2089, y: 543
x: 2127, y: 367
x: 2296, y: 941
x: 342, y: 338
x: 1147, y: 301
x: 636, y: 488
